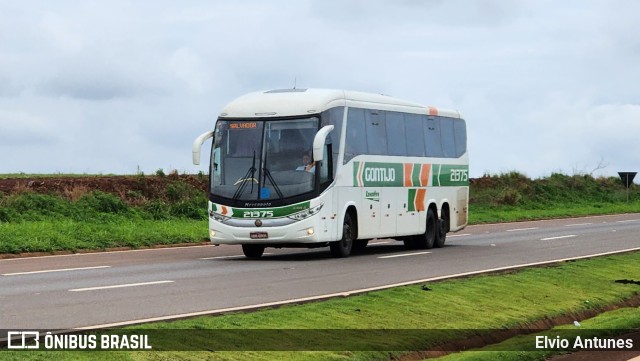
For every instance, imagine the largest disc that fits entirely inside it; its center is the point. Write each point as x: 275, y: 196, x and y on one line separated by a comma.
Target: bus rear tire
x: 441, y: 233
x: 428, y: 239
x: 253, y: 251
x: 342, y: 248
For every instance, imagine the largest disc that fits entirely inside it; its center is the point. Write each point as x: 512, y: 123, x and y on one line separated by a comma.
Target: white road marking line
x: 521, y: 229
x: 628, y: 220
x: 118, y: 286
x: 224, y: 257
x: 577, y: 224
x: 459, y: 235
x: 383, y: 242
x: 53, y: 270
x: 342, y: 294
x: 107, y: 252
x: 558, y: 237
x: 404, y: 255
x: 230, y: 257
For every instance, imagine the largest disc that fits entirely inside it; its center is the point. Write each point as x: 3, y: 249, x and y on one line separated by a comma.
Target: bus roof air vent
x: 286, y: 91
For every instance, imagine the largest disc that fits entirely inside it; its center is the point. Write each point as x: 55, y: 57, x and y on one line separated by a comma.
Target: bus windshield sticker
x: 243, y: 125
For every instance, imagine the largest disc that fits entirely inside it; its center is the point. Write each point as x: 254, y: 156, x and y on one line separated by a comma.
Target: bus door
x: 406, y: 221
x: 370, y: 228
x: 388, y: 212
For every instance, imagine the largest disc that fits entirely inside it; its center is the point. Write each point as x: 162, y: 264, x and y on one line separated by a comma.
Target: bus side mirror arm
x: 197, y: 145
x: 318, y: 142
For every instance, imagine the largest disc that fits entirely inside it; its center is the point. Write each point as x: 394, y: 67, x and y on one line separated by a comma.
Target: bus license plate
x: 259, y: 235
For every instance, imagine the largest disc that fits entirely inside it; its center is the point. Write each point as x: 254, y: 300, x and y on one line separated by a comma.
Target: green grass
x: 166, y: 209
x: 604, y: 325
x: 468, y: 306
x: 512, y: 197
x: 488, y: 214
x: 36, y: 222
x: 70, y: 235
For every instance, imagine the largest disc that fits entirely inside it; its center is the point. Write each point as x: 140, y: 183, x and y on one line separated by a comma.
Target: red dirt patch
x: 132, y: 189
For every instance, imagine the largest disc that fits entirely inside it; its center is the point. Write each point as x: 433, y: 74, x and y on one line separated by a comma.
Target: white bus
x: 316, y: 167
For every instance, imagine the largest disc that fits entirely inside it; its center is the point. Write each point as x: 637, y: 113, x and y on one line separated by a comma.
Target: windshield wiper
x: 267, y: 174
x: 249, y: 176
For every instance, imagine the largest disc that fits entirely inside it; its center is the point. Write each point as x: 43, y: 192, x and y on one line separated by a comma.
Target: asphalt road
x: 116, y: 288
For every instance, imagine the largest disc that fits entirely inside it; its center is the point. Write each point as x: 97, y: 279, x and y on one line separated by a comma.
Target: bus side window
x: 356, y: 140
x: 432, y: 136
x: 333, y: 117
x: 376, y: 132
x: 447, y: 137
x: 395, y: 131
x: 326, y: 167
x: 460, y: 131
x: 414, y: 135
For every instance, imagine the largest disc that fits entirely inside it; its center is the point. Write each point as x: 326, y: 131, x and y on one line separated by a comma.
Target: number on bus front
x: 258, y: 214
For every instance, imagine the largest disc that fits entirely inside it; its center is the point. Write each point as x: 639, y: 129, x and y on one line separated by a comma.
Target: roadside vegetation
x: 464, y: 309
x: 53, y: 213
x: 512, y: 197
x: 47, y: 215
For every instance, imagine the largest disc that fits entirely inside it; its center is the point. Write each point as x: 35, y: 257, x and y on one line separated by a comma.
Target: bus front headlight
x: 218, y: 217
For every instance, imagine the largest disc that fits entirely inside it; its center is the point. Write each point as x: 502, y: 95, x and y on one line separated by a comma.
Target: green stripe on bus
x: 415, y: 175
x: 356, y: 166
x: 411, y: 200
x: 380, y: 174
x: 269, y: 212
x: 274, y: 212
x: 451, y: 175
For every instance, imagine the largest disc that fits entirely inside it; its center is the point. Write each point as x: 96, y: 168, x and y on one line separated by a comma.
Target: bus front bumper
x: 305, y: 231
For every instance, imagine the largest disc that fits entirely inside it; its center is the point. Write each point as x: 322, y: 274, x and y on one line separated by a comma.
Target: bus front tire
x: 428, y: 239
x: 253, y: 251
x: 342, y: 248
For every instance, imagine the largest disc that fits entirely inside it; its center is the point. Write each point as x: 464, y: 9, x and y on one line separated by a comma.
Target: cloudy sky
x: 121, y: 86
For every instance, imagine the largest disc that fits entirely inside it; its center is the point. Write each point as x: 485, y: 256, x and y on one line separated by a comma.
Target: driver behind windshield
x: 307, y: 164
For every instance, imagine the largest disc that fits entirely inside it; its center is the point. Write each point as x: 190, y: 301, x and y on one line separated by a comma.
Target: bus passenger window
x: 356, y: 142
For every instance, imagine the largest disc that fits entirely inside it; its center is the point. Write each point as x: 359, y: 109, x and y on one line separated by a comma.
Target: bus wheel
x: 342, y: 248
x: 441, y: 234
x: 252, y: 250
x: 428, y: 239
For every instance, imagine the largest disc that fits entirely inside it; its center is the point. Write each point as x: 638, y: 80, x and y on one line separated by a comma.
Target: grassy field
x: 83, y: 218
x: 512, y: 197
x: 79, y: 218
x: 463, y: 308
x: 605, y: 325
x: 140, y: 211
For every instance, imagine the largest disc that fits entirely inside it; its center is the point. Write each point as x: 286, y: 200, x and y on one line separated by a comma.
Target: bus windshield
x: 261, y: 160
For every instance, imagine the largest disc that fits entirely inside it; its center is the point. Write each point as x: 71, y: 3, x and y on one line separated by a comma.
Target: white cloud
x: 23, y: 129
x: 108, y: 86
